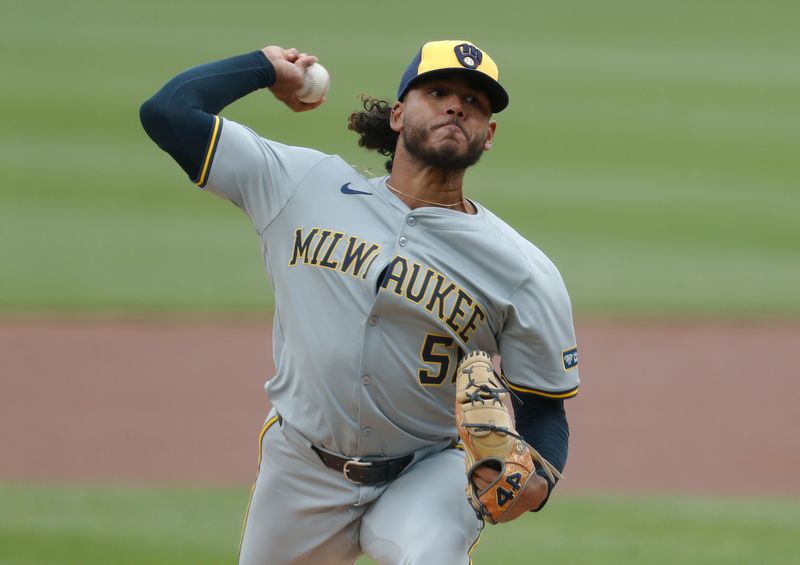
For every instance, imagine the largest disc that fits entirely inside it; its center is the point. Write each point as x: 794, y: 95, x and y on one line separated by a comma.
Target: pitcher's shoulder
x: 519, y: 248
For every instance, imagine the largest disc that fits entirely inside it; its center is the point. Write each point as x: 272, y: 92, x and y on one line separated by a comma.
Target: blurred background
x: 650, y: 150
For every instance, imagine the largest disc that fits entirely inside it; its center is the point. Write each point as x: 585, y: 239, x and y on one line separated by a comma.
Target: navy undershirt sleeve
x: 543, y: 423
x: 180, y: 116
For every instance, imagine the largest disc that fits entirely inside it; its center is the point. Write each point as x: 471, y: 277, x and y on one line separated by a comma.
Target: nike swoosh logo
x: 347, y: 190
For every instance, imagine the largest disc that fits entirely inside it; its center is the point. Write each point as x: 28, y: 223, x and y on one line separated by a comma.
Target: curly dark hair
x: 372, y: 125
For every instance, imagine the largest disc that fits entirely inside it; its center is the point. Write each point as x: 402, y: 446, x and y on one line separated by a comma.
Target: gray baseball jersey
x: 376, y: 303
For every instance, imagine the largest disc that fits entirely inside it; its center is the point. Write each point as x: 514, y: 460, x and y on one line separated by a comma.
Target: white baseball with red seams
x: 316, y: 82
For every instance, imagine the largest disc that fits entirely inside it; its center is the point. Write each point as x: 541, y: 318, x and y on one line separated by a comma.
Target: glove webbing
x: 475, y: 396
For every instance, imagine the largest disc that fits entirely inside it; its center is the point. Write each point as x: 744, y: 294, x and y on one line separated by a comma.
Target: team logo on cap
x: 468, y: 55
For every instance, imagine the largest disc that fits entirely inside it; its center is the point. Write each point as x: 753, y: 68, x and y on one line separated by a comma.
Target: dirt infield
x: 669, y: 407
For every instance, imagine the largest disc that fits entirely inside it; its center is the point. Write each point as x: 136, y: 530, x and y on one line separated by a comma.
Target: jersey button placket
x: 403, y: 241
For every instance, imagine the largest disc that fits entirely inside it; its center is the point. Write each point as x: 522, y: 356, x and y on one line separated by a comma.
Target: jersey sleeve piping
x: 213, y: 142
x: 569, y: 393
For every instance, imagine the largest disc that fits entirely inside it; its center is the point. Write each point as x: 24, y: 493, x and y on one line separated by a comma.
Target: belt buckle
x: 357, y: 463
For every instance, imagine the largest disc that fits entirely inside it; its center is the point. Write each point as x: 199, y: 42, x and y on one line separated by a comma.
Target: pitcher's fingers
x: 306, y: 106
x: 304, y: 60
x: 484, y: 476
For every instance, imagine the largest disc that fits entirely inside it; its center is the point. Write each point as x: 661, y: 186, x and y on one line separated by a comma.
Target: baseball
x: 315, y: 84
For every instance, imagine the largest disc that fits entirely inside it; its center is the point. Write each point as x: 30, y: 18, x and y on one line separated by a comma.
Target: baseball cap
x: 445, y: 57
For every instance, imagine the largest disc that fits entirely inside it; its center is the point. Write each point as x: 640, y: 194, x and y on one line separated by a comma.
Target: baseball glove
x: 489, y: 439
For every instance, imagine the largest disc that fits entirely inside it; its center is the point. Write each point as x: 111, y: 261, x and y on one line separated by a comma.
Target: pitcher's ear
x: 396, y: 117
x: 487, y: 145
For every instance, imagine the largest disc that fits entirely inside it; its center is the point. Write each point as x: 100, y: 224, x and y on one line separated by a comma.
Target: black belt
x: 365, y: 472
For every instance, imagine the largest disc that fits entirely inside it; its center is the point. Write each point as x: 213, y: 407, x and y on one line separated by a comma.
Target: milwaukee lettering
x: 436, y: 293
x: 417, y: 283
x: 332, y: 250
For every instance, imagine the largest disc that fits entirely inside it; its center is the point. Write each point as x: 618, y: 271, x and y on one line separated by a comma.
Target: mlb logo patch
x: 570, y: 358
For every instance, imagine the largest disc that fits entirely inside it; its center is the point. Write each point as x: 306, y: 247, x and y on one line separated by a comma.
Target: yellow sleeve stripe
x: 565, y: 394
x: 212, y: 146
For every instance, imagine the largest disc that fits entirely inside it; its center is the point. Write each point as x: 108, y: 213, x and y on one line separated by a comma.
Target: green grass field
x: 161, y: 526
x: 650, y: 148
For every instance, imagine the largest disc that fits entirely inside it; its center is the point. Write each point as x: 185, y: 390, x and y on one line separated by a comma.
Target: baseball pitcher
x: 390, y: 433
